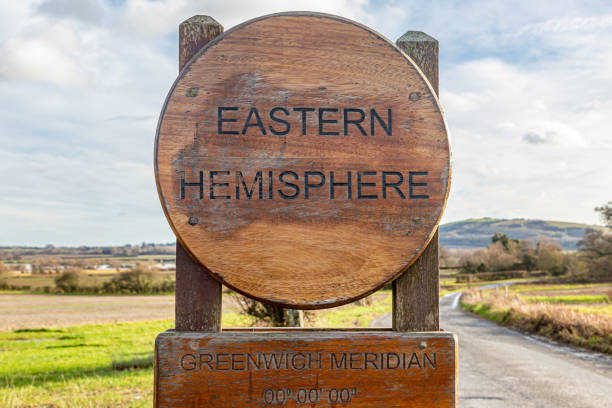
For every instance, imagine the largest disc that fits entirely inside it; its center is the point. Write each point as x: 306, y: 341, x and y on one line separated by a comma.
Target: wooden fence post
x: 198, y: 295
x: 416, y: 292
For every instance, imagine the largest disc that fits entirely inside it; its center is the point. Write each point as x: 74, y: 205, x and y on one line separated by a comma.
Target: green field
x: 354, y: 315
x: 109, y: 365
x: 598, y: 309
x: 571, y: 299
x: 83, y: 366
x: 37, y: 282
x: 78, y: 366
x: 87, y: 279
x: 520, y: 288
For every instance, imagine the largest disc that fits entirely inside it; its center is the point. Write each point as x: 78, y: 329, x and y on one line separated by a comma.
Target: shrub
x: 134, y: 281
x: 501, y: 255
x: 505, y: 254
x: 595, y: 250
x: 68, y: 281
x: 273, y: 315
x: 550, y: 258
x: 138, y: 281
x: 3, y: 275
x: 471, y: 267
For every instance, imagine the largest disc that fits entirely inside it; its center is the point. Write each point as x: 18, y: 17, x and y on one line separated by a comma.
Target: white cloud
x: 530, y: 127
x: 553, y: 133
x: 159, y: 18
x: 48, y: 53
x: 13, y: 16
x: 84, y: 10
x: 564, y: 25
x: 527, y: 90
x: 462, y: 102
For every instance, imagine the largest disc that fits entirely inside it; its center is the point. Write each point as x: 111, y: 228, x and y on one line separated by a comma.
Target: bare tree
x: 596, y: 247
x: 606, y: 213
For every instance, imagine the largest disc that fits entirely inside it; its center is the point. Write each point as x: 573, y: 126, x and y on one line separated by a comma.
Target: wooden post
x: 416, y: 292
x: 194, y: 33
x: 198, y: 295
x: 423, y: 50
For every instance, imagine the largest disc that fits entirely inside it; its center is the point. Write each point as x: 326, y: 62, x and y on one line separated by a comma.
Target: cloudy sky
x: 526, y: 86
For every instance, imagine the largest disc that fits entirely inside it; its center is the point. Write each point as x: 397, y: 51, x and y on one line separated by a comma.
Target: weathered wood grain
x: 311, y: 250
x: 198, y: 295
x: 416, y: 291
x: 306, y: 368
x: 194, y: 33
x: 424, y: 51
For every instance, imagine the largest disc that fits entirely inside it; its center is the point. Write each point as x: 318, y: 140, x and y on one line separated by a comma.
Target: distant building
x: 167, y: 266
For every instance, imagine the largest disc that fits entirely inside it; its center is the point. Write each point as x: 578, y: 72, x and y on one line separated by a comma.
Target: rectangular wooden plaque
x: 304, y: 368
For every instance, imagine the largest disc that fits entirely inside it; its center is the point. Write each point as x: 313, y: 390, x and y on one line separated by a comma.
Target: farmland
x: 33, y: 268
x: 146, y: 269
x: 65, y: 364
x: 80, y: 351
x: 23, y: 311
x: 85, y: 366
x: 94, y: 348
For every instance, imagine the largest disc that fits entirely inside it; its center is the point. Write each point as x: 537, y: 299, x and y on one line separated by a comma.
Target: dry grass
x: 560, y: 323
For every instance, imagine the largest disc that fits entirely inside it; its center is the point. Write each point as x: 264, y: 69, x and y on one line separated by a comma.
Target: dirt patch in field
x: 34, y: 311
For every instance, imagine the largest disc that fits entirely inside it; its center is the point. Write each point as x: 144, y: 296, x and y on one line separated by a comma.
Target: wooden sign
x: 306, y: 368
x: 302, y: 159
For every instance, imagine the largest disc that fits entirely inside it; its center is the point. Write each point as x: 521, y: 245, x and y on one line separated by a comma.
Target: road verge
x: 549, y: 320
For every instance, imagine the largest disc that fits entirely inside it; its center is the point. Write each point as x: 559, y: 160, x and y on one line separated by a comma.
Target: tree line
x: 592, y: 261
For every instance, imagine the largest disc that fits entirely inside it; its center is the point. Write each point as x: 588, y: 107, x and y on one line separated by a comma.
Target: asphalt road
x: 499, y: 367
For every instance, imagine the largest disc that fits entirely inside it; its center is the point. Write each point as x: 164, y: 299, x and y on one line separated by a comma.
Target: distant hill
x: 476, y: 233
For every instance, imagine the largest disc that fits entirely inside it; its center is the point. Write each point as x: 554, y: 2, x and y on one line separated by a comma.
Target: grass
x: 570, y: 299
x: 83, y: 366
x: 355, y: 315
x: 555, y: 287
x: 556, y: 321
x: 111, y: 365
x: 88, y: 281
x: 118, y: 389
x: 104, y: 365
x: 37, y: 282
x: 600, y: 310
x: 78, y: 366
x: 449, y: 285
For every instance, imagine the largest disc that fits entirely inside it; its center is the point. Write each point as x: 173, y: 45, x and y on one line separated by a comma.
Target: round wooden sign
x: 302, y: 159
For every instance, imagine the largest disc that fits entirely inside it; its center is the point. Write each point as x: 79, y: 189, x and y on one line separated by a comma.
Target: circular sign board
x: 302, y: 159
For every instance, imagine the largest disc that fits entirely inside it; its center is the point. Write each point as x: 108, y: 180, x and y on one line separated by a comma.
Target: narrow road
x: 499, y: 367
